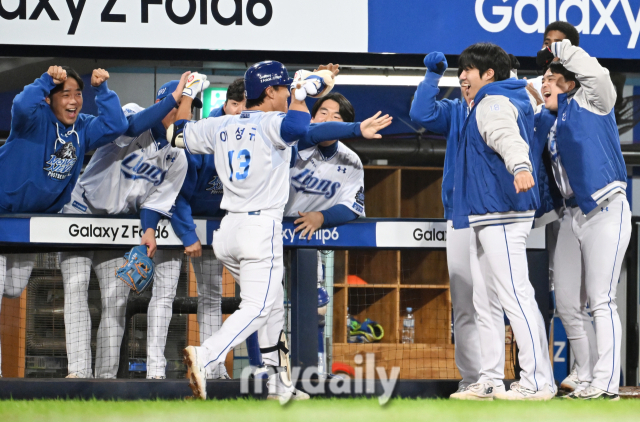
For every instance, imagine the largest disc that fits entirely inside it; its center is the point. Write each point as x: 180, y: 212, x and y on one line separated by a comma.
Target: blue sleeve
x: 149, y: 219
x: 26, y: 103
x: 149, y: 117
x: 182, y: 222
x: 295, y: 125
x: 337, y: 215
x: 432, y: 115
x: 110, y: 122
x: 329, y: 131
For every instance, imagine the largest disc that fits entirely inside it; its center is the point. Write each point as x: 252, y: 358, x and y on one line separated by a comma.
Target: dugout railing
x: 47, y: 233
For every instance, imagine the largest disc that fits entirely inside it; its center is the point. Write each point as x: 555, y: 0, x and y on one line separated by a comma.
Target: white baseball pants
x: 603, y: 236
x: 76, y: 272
x: 15, y: 270
x: 465, y: 331
x: 499, y: 252
x: 168, y: 263
x: 208, y: 271
x: 250, y: 247
x: 571, y: 297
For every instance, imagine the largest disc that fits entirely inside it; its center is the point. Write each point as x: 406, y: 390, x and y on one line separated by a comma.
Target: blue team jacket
x: 589, y: 145
x: 445, y: 117
x: 42, y: 158
x: 550, y: 196
x: 482, y: 182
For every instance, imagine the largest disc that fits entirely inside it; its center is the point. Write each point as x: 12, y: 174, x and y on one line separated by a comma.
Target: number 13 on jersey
x: 239, y: 161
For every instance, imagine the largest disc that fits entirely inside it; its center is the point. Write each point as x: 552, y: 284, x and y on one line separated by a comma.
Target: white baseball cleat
x: 519, y: 392
x: 197, y: 380
x: 593, y: 393
x: 73, y: 376
x: 279, y: 391
x: 219, y: 373
x: 485, y: 391
x: 157, y: 377
x: 571, y: 382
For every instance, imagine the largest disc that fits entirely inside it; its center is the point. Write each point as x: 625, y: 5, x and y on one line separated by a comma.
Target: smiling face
x: 554, y: 84
x: 472, y: 78
x: 464, y: 87
x: 66, y: 103
x: 329, y: 111
x: 233, y: 107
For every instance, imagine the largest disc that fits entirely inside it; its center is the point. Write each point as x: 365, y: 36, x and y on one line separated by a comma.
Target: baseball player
x: 252, y: 155
x: 447, y: 117
x: 235, y: 102
x: 48, y: 134
x: 494, y: 174
x: 576, y: 320
x: 137, y: 173
x: 327, y: 178
x: 590, y: 173
x: 200, y: 195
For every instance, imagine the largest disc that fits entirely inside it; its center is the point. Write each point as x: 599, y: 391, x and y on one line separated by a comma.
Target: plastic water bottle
x: 408, y: 328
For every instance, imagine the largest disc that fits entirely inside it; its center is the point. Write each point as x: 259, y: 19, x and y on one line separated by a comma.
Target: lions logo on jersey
x: 61, y: 162
x: 215, y: 186
x: 306, y: 182
x: 142, y: 170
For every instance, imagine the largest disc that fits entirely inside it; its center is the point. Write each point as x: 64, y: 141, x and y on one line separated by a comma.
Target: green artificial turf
x: 333, y: 410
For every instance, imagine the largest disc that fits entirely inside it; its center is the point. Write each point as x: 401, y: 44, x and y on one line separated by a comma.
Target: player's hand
x: 534, y: 93
x: 309, y: 222
x: 99, y: 76
x: 436, y: 62
x: 183, y: 81
x: 194, y: 251
x: 523, y: 181
x: 196, y: 83
x: 58, y: 74
x: 149, y: 239
x: 334, y: 68
x: 375, y: 124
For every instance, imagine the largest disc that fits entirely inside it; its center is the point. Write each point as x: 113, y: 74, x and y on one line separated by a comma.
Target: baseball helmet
x: 323, y: 297
x: 262, y: 75
x: 168, y: 89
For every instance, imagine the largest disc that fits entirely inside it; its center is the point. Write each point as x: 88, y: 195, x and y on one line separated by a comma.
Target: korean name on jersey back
x: 305, y: 182
x: 134, y: 167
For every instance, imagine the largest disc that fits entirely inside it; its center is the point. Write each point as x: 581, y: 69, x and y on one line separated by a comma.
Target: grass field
x: 333, y: 410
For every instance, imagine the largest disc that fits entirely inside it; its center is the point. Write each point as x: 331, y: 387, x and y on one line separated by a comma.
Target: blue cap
x: 323, y: 297
x: 262, y: 75
x: 168, y: 89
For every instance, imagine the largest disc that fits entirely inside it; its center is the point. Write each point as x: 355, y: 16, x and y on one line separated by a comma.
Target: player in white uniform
x: 252, y: 154
x: 137, y: 173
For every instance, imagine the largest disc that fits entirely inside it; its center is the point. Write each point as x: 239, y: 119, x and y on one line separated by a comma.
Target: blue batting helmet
x: 168, y: 89
x: 262, y: 75
x: 323, y: 297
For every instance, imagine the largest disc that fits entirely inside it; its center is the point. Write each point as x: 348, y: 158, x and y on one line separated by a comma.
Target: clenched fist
x: 523, y: 181
x: 99, y: 76
x: 58, y: 74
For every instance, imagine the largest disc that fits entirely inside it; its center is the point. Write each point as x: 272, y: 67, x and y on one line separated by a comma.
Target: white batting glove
x: 196, y: 83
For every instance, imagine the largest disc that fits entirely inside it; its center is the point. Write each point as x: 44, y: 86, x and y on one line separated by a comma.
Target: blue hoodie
x: 483, y: 185
x: 445, y: 117
x: 42, y: 158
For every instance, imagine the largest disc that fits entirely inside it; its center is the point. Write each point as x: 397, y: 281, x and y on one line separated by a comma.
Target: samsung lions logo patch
x: 61, y: 162
x: 360, y: 196
x: 215, y: 186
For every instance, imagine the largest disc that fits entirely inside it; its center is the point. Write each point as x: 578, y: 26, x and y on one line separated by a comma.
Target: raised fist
x: 58, y: 74
x: 99, y: 76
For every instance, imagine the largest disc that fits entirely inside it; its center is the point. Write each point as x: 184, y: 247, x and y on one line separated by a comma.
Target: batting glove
x: 436, y: 62
x: 196, y: 84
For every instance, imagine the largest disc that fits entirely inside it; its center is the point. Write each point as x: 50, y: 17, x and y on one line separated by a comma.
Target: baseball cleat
x: 197, y: 379
x: 478, y: 391
x: 218, y: 373
x: 157, y: 377
x: 279, y: 391
x: 571, y: 382
x: 593, y: 393
x: 520, y: 392
x: 574, y: 394
x: 73, y: 376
